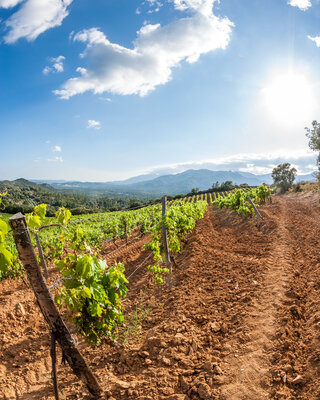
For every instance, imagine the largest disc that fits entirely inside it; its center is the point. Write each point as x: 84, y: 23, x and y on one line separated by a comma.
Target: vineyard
x: 196, y: 299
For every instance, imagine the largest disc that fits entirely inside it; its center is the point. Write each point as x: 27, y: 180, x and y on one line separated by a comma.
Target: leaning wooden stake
x: 164, y: 235
x: 41, y: 256
x: 48, y: 308
x: 254, y: 208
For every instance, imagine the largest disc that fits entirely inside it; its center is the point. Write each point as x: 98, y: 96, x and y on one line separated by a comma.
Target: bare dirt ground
x: 242, y: 320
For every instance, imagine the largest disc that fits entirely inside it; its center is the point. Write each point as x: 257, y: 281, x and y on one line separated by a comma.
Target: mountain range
x: 171, y: 184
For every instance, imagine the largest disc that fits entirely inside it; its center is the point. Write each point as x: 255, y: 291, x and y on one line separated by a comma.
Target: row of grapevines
x: 9, y: 262
x: 238, y: 200
x: 95, y: 231
x: 179, y: 219
x: 90, y: 289
x: 113, y: 226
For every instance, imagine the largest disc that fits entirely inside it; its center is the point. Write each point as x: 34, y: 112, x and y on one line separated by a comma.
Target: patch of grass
x: 5, y: 217
x: 132, y: 327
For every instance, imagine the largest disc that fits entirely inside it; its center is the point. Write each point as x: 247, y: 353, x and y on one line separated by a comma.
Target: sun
x: 289, y: 99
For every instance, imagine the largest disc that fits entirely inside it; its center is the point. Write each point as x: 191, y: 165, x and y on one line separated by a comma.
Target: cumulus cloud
x: 302, y: 4
x: 92, y: 124
x: 56, y: 149
x: 56, y: 65
x: 315, y: 39
x: 9, y: 3
x: 156, y: 51
x: 34, y: 17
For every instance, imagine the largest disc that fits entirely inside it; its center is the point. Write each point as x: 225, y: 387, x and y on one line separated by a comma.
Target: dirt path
x: 249, y: 368
x: 241, y: 322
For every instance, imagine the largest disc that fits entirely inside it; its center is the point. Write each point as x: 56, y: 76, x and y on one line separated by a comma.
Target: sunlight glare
x: 290, y: 99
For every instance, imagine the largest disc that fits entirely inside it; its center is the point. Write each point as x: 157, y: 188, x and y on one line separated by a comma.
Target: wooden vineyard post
x: 254, y: 208
x: 47, y: 306
x: 41, y: 256
x: 125, y: 231
x: 164, y: 235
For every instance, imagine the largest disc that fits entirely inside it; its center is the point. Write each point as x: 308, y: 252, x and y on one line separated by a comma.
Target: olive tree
x: 283, y: 176
x: 313, y: 134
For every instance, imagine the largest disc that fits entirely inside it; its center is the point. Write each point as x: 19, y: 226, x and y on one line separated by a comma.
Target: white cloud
x: 56, y: 159
x: 46, y: 70
x: 315, y: 39
x: 35, y: 17
x: 57, y: 65
x: 9, y: 3
x: 256, y: 163
x: 156, y: 51
x: 56, y: 149
x: 156, y: 6
x: 302, y: 4
x: 202, y: 6
x: 92, y: 124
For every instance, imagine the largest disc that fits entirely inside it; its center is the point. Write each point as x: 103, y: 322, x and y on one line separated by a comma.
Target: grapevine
x: 238, y: 200
x: 178, y: 221
x: 9, y: 263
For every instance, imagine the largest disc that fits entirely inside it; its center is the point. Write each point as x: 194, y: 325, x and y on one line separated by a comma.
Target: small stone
x: 148, y: 361
x: 297, y: 380
x: 118, y: 384
x: 214, y: 326
x: 153, y: 342
x: 194, y: 346
x: 207, y: 366
x: 168, y: 391
x: 166, y: 361
x: 144, y: 354
x: 217, y: 370
x: 283, y: 377
x: 204, y: 391
x: 224, y: 328
x: 178, y: 339
x: 20, y: 309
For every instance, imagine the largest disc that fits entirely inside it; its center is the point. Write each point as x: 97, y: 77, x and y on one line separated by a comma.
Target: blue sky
x: 108, y: 89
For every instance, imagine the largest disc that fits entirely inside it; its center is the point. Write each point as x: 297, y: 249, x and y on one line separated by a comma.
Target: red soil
x: 242, y: 320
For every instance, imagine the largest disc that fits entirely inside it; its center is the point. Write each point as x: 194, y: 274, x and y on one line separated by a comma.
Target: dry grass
x: 305, y: 187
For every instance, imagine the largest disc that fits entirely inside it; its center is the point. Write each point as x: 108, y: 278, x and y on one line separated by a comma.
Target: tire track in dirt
x: 249, y: 366
x: 296, y: 357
